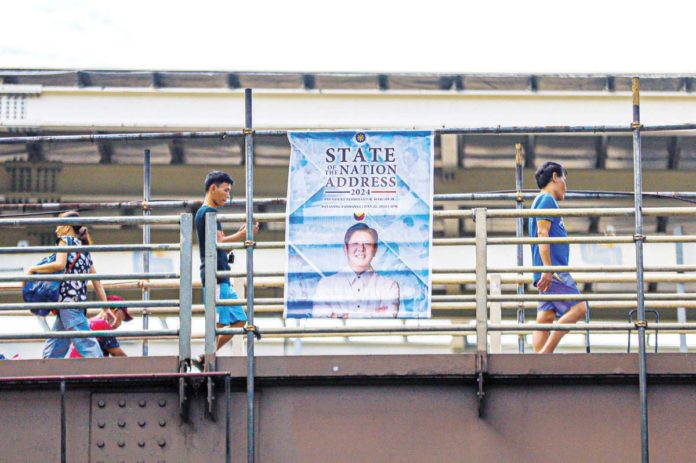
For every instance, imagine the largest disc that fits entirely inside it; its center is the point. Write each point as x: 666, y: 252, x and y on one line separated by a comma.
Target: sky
x: 491, y: 36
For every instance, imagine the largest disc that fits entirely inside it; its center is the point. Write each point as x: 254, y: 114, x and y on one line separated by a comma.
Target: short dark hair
x: 544, y: 174
x: 216, y: 177
x: 358, y: 227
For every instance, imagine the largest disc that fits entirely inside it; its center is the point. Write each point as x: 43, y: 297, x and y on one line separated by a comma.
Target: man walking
x: 551, y: 179
x: 218, y: 189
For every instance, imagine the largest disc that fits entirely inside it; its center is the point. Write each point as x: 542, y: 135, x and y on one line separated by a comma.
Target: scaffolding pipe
x: 87, y: 334
x: 638, y: 207
x: 519, y: 233
x: 400, y: 330
x: 249, y: 151
x: 87, y: 305
x: 222, y: 135
x: 687, y: 211
x: 158, y: 219
x: 480, y: 196
x: 145, y: 292
x: 85, y: 276
x: 681, y: 288
x: 89, y: 248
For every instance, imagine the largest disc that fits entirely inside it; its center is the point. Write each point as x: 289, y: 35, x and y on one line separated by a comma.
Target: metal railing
x: 183, y: 304
x: 481, y: 301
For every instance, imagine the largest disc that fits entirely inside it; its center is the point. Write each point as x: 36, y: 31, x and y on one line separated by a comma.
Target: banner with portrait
x: 359, y: 224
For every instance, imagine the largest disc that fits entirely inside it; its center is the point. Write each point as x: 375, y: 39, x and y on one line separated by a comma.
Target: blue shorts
x: 561, y: 283
x: 227, y: 314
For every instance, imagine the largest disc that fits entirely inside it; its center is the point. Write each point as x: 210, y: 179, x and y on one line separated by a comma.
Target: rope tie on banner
x: 249, y: 328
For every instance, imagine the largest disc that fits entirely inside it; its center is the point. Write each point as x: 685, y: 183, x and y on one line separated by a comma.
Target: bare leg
x: 539, y: 337
x: 225, y: 338
x: 577, y: 312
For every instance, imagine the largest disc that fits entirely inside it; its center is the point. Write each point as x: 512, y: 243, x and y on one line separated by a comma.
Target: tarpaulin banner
x: 359, y: 224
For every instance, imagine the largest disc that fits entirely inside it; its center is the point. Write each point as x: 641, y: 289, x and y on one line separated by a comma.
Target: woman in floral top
x: 72, y: 291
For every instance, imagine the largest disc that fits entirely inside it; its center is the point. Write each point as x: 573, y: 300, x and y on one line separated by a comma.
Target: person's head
x: 218, y: 187
x: 551, y: 178
x: 360, y: 244
x: 75, y: 230
x: 120, y: 313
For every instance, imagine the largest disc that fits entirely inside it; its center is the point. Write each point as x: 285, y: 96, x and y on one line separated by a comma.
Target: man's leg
x: 232, y: 316
x: 225, y: 338
x: 539, y: 338
x: 576, y: 313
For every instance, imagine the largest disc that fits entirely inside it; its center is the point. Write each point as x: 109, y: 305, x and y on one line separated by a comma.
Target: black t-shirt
x: 222, y: 263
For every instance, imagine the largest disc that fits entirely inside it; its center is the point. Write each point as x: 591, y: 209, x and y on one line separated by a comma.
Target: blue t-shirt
x: 222, y: 263
x: 559, y: 252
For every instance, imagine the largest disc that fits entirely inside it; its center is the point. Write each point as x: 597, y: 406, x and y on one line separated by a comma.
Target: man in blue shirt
x: 551, y: 179
x: 218, y: 189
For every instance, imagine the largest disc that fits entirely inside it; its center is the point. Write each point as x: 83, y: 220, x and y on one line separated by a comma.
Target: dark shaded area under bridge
x: 568, y: 407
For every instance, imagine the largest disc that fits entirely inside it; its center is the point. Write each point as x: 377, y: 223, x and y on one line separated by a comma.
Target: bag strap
x: 70, y: 267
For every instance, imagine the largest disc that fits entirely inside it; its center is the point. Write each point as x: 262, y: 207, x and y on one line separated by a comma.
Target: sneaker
x: 199, y: 362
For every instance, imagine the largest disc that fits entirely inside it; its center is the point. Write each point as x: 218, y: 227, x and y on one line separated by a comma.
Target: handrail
x: 84, y: 220
x: 90, y: 248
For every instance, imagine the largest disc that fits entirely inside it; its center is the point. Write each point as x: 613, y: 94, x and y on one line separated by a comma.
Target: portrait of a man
x: 357, y: 290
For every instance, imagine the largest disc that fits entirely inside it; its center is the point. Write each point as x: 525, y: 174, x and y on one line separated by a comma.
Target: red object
x: 113, y: 297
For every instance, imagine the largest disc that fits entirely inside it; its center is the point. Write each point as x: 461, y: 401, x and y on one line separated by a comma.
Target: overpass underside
x: 568, y: 407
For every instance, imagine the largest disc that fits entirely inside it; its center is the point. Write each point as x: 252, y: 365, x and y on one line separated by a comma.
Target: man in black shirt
x: 218, y: 188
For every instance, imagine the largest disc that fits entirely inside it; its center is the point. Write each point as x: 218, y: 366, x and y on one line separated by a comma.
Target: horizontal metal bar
x: 400, y: 330
x: 87, y: 276
x: 585, y: 212
x: 88, y: 305
x: 479, y: 196
x: 110, y: 377
x: 127, y: 205
x: 222, y: 135
x: 507, y: 213
x: 89, y: 248
x: 585, y: 268
x: 592, y: 239
x: 16, y: 222
x: 590, y: 326
x: 87, y: 334
x: 590, y: 297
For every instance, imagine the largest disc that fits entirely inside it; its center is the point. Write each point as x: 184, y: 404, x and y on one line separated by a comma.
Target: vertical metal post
x: 496, y: 313
x: 185, y: 289
x: 481, y: 282
x: 681, y: 288
x: 639, y: 238
x: 210, y: 288
x: 519, y: 232
x: 146, y: 240
x: 228, y: 417
x: 63, y: 431
x: 249, y: 150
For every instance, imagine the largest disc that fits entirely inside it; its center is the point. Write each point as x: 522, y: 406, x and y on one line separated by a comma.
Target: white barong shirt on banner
x: 348, y: 294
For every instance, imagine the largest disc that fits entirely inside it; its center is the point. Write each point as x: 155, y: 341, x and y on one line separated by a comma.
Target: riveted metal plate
x: 135, y: 427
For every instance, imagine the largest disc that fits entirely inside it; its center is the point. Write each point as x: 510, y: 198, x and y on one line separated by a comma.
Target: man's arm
x: 240, y: 235
x: 543, y: 231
